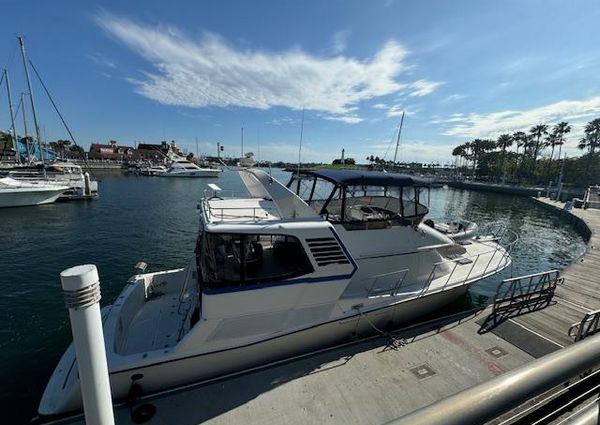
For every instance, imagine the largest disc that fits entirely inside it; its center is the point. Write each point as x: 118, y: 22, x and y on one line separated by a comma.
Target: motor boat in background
x: 79, y: 184
x: 185, y: 168
x: 152, y: 170
x: 334, y: 256
x: 247, y: 160
x: 16, y: 193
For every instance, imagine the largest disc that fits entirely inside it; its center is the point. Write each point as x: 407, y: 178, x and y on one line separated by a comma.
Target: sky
x: 201, y: 70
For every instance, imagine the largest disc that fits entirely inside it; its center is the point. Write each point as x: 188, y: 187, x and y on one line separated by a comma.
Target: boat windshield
x: 360, y: 207
x: 229, y: 261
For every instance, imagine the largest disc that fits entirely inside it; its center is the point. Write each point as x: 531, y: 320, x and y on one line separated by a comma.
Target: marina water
x: 155, y: 220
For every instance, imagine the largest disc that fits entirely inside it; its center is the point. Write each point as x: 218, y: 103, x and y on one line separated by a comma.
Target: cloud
x: 100, y: 59
x: 453, y: 98
x: 209, y: 71
x: 494, y: 123
x: 340, y: 41
x: 423, y: 87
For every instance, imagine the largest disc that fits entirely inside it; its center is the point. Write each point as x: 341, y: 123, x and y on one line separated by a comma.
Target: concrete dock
x: 375, y: 381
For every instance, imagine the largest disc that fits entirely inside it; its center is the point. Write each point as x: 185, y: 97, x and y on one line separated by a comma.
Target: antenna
x: 258, y: 143
x: 398, y: 141
x: 300, y: 151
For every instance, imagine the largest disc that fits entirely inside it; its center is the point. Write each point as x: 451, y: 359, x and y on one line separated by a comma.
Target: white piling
x: 86, y: 180
x: 81, y: 288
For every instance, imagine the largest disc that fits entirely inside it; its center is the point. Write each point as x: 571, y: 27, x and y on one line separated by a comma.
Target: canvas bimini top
x: 367, y: 178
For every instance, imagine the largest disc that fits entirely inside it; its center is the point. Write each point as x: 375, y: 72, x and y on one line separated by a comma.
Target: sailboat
x: 247, y: 159
x: 78, y: 184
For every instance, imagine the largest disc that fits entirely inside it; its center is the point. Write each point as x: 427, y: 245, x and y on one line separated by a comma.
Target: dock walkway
x: 580, y: 292
x: 375, y: 381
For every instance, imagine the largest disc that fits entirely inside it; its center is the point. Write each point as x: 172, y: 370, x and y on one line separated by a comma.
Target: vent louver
x: 326, y: 251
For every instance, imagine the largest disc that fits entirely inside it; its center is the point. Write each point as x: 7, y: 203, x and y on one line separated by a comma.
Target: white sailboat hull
x: 59, y: 398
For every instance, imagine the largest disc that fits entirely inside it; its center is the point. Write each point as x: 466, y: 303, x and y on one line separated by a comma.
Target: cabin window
x: 378, y: 207
x: 237, y: 260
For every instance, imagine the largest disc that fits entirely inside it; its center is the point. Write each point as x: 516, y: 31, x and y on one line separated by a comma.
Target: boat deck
x: 155, y: 326
x: 375, y: 381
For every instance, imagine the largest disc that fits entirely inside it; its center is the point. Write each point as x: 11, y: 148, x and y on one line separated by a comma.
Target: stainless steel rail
x: 589, y: 325
x: 487, y: 401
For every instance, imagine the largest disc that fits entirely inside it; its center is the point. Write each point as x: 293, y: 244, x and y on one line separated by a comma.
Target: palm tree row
x: 532, y: 144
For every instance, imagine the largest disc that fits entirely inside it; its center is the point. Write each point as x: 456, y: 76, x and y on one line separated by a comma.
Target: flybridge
x: 270, y: 201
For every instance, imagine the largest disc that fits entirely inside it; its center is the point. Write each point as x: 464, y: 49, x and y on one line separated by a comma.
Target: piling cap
x: 79, y: 277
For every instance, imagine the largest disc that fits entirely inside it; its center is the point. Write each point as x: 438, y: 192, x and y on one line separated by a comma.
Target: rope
x: 59, y: 115
x: 394, y: 341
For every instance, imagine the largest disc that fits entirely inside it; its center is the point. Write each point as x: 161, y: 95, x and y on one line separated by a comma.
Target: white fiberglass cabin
x: 288, y: 270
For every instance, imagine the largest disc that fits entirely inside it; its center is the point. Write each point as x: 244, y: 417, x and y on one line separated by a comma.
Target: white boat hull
x: 21, y: 198
x: 177, y: 372
x: 192, y: 173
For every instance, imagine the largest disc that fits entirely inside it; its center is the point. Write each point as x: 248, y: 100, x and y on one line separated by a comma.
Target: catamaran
x: 333, y: 256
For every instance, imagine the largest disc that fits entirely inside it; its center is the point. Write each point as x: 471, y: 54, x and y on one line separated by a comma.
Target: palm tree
x: 560, y: 130
x: 591, y: 141
x: 536, y: 132
x: 520, y: 139
x: 479, y: 147
x: 504, y: 142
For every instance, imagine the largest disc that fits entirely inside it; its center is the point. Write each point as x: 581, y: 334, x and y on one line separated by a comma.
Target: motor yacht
x: 79, y: 185
x: 331, y: 257
x: 185, y: 168
x: 247, y: 160
x: 153, y: 170
x: 15, y: 193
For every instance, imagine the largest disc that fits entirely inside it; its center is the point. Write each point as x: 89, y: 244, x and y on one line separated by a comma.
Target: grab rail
x: 589, y: 325
x: 449, y: 267
x: 221, y: 212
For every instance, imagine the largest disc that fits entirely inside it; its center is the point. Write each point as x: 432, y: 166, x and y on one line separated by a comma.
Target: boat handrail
x: 509, y: 237
x: 502, y: 247
x: 221, y: 212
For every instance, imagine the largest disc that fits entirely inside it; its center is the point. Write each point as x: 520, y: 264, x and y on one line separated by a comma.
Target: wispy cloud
x: 209, y: 71
x: 453, y: 98
x: 100, y: 59
x: 423, y: 87
x: 494, y: 123
x: 340, y: 41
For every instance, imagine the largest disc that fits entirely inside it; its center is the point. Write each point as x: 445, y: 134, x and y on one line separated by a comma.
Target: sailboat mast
x: 12, y: 118
x: 242, y: 156
x: 398, y: 141
x: 25, y: 127
x: 33, y: 110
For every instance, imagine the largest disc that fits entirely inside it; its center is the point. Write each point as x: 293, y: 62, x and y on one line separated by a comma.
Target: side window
x: 230, y: 260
